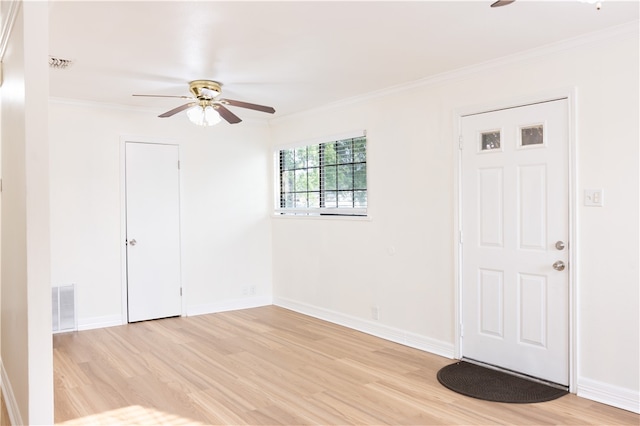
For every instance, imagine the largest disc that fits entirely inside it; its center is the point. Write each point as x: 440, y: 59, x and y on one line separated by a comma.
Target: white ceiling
x: 293, y: 55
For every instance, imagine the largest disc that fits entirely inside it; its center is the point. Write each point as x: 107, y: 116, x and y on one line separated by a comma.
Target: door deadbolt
x: 133, y: 242
x: 560, y: 245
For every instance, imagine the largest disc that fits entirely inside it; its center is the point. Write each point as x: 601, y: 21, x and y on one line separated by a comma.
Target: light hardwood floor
x: 272, y: 366
x: 4, y: 414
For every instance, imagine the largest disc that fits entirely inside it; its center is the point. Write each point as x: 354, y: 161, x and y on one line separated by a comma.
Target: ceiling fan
x: 502, y: 3
x: 206, y: 108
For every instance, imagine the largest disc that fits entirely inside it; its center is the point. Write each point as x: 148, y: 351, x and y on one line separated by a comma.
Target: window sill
x: 329, y: 217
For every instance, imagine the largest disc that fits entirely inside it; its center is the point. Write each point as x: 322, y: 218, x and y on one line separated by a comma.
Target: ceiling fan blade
x: 241, y: 104
x: 502, y: 3
x: 165, y: 96
x: 178, y: 109
x: 230, y: 117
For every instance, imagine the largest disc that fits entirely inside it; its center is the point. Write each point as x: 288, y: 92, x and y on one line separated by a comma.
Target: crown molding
x: 627, y: 30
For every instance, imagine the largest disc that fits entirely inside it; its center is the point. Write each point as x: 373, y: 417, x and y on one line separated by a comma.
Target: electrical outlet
x: 252, y: 290
x: 245, y: 291
x: 375, y: 313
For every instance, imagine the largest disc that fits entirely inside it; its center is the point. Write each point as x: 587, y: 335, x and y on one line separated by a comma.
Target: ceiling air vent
x: 59, y: 63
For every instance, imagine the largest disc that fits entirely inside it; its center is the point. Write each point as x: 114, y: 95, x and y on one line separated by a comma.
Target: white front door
x: 515, y: 226
x: 153, y: 231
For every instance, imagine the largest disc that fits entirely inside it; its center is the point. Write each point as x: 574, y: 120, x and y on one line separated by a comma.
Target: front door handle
x: 558, y: 265
x: 133, y: 242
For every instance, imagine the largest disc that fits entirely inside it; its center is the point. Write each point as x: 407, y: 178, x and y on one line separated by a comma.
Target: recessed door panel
x: 490, y: 285
x: 490, y: 189
x: 533, y: 314
x: 532, y: 206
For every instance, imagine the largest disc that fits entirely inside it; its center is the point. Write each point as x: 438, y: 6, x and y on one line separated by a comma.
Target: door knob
x: 558, y: 265
x: 133, y: 242
x: 560, y: 245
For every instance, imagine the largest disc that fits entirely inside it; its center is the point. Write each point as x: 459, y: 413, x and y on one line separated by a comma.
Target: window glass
x: 326, y: 178
x: 490, y: 140
x: 533, y: 135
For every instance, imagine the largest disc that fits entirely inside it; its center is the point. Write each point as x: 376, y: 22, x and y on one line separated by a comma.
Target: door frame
x: 123, y: 221
x: 570, y: 94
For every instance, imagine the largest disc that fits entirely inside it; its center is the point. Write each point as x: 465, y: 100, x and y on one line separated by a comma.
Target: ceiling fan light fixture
x: 203, y: 115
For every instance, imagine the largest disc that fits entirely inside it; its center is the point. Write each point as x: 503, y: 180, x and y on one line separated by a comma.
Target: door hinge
x: 0, y: 185
x: 461, y: 330
x: 180, y: 291
x: 178, y: 164
x: 460, y: 142
x: 460, y: 239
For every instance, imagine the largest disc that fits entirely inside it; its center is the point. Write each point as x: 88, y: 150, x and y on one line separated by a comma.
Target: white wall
x: 402, y: 260
x: 27, y: 362
x: 226, y: 236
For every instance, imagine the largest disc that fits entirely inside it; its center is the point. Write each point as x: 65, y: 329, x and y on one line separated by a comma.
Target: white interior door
x: 153, y: 231
x: 515, y: 221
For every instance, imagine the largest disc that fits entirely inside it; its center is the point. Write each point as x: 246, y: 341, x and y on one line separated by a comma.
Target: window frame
x: 323, y: 212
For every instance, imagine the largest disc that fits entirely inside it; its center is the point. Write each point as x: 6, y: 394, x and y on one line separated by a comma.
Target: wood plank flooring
x: 272, y: 366
x: 4, y: 414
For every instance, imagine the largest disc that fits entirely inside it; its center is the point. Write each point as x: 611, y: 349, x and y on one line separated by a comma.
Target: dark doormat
x: 492, y: 385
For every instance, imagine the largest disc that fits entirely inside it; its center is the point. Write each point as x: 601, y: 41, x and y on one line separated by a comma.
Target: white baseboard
x: 99, y: 322
x: 230, y: 305
x: 605, y: 393
x: 227, y: 305
x: 392, y: 334
x: 9, y: 397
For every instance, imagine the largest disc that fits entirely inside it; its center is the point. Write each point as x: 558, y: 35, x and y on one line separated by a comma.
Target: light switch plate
x: 593, y: 197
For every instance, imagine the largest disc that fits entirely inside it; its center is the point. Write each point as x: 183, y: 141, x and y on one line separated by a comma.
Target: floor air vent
x: 64, y: 308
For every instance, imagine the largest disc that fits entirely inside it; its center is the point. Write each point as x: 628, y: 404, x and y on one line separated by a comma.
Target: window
x: 532, y: 135
x: 327, y: 178
x: 491, y: 140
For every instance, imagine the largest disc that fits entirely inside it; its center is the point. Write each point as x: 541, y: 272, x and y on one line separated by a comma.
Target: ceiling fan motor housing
x: 205, y: 89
